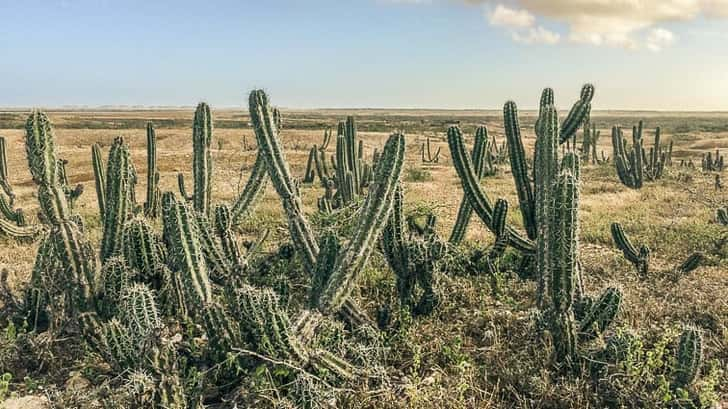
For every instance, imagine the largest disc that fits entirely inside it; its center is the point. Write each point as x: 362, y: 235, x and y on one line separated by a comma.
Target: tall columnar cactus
x: 479, y: 158
x: 570, y: 313
x: 185, y: 254
x: 414, y: 259
x: 154, y: 194
x: 689, y: 357
x: 475, y: 195
x: 202, y: 159
x: 99, y: 178
x: 640, y: 258
x: 43, y: 164
x: 427, y: 156
x: 4, y: 181
x: 119, y: 197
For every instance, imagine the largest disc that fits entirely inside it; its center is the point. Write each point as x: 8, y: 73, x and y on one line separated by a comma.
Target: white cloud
x: 659, y: 38
x: 631, y: 24
x: 536, y: 35
x: 507, y: 17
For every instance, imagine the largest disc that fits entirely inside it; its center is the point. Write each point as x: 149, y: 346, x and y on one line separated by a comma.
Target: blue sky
x: 364, y: 53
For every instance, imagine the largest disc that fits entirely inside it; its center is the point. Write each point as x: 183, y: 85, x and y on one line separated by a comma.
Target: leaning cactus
x: 689, y: 357
x: 154, y: 195
x: 640, y: 259
x: 480, y: 157
x: 254, y: 189
x: 691, y: 263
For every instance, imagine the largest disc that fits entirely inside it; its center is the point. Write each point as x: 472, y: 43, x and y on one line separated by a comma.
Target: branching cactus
x: 479, y: 157
x: 634, y: 165
x: 71, y: 193
x: 154, y: 194
x: 712, y: 163
x: 571, y: 315
x: 427, y: 156
x: 119, y: 197
x: 4, y: 181
x: 639, y: 258
x: 689, y: 357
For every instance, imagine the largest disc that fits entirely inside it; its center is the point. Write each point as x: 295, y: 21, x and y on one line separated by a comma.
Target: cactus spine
x: 154, y: 194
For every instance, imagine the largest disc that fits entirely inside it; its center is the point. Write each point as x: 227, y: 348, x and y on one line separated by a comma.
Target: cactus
x: 21, y: 233
x: 115, y: 276
x: 414, y: 260
x: 4, y: 182
x: 138, y: 312
x: 99, y: 179
x: 220, y: 267
x: 476, y: 196
x: 640, y: 259
x: 154, y: 194
x: 429, y: 158
x: 589, y: 145
x: 185, y: 254
x: 634, y: 166
x: 119, y: 197
x: 254, y: 189
x: 712, y: 163
x: 689, y: 357
x: 143, y: 250
x: 202, y: 160
x: 722, y: 215
x: 71, y: 194
x: 479, y: 157
x: 578, y: 114
x: 691, y: 263
x: 223, y: 332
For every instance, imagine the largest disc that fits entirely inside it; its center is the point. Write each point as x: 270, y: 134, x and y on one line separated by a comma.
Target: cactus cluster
x: 712, y: 163
x: 634, y: 164
x: 589, y: 145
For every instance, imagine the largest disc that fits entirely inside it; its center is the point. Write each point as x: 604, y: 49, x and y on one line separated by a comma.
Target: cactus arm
x: 477, y: 198
x: 578, y: 114
x: 519, y: 167
x: 691, y: 263
x: 182, y: 188
x: 374, y: 215
x: 465, y: 211
x: 99, y: 178
x: 722, y: 215
x: 253, y: 191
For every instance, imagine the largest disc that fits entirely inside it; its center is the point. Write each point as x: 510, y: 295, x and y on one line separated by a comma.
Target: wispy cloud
x: 631, y: 24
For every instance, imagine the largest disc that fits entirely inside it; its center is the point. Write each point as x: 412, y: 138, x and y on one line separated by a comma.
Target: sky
x: 454, y: 54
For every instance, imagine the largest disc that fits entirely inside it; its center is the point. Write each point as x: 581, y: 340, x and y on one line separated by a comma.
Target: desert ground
x: 476, y: 349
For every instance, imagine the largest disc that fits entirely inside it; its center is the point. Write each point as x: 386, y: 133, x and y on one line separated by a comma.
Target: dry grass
x: 474, y: 351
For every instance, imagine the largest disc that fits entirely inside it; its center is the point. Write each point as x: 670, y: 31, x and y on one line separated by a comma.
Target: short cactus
x: 639, y: 258
x: 722, y: 215
x: 427, y: 156
x: 689, y: 357
x: 143, y: 250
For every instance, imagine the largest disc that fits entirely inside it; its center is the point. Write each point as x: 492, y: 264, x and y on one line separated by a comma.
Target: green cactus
x: 220, y: 267
x: 154, y: 194
x: 712, y: 163
x: 223, y: 332
x: 115, y: 276
x: 309, y: 175
x: 691, y: 263
x: 254, y: 189
x: 722, y: 215
x: 117, y: 346
x: 185, y: 254
x: 4, y: 181
x: 633, y: 165
x: 99, y: 179
x: 578, y: 114
x: 71, y: 193
x: 689, y: 357
x: 138, y: 312
x: 119, y: 197
x: 479, y: 157
x: 589, y: 144
x: 228, y: 243
x: 202, y: 159
x: 143, y: 250
x: 640, y: 259
x: 429, y: 158
x: 476, y: 196
x: 22, y: 233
